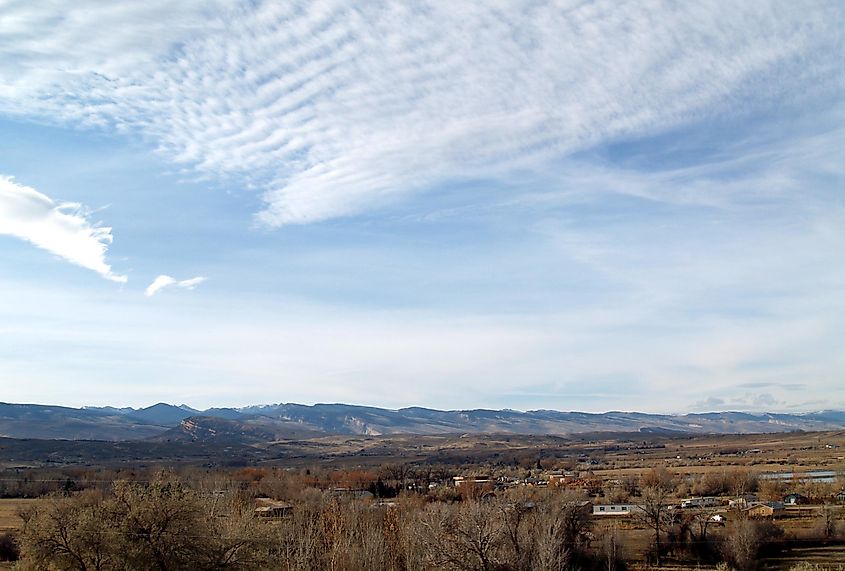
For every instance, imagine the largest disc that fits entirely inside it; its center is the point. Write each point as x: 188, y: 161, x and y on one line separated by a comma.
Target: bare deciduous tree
x: 66, y: 533
x: 742, y: 545
x: 827, y: 525
x: 466, y: 539
x: 743, y: 482
x: 518, y: 521
x: 654, y: 513
x: 612, y: 552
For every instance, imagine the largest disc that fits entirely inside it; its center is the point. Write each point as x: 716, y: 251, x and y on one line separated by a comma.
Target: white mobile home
x: 616, y: 509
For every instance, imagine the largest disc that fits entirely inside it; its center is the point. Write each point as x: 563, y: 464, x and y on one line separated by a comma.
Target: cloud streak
x: 60, y: 228
x: 165, y: 281
x: 331, y: 110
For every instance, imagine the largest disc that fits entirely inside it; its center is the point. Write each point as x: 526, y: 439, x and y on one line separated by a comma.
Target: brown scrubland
x: 613, y: 507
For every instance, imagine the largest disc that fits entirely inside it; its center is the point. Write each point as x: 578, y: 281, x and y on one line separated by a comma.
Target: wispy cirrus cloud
x: 61, y: 228
x: 329, y: 109
x: 165, y: 281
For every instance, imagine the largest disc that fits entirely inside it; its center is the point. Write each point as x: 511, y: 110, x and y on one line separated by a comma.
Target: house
x: 840, y: 497
x: 743, y: 501
x: 708, y: 502
x: 795, y: 499
x: 615, y: 509
x: 559, y: 477
x: 764, y: 510
x: 268, y: 508
x: 471, y: 481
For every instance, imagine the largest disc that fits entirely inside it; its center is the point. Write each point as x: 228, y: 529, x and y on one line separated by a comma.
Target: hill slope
x: 280, y: 421
x: 58, y: 422
x: 349, y: 419
x: 251, y: 430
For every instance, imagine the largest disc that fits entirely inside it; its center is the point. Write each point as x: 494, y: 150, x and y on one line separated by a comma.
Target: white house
x: 743, y: 501
x: 708, y: 502
x: 616, y: 509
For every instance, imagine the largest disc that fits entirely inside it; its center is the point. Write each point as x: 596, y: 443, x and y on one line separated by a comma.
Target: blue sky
x: 571, y: 205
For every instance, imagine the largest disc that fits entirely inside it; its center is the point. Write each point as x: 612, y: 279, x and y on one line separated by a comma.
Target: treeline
x: 205, y: 519
x: 164, y: 525
x: 389, y: 480
x: 386, y: 481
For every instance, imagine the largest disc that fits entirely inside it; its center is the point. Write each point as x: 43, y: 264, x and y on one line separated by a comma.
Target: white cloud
x: 331, y: 109
x: 164, y: 281
x: 60, y: 228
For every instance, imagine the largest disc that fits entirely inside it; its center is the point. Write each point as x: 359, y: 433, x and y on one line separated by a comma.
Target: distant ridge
x: 290, y: 420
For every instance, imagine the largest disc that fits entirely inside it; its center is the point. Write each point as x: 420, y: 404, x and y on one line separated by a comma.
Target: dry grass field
x: 9, y: 509
x: 604, y: 454
x: 829, y: 555
x: 757, y: 453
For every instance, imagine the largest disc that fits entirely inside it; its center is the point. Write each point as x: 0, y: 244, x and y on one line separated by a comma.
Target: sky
x: 573, y: 205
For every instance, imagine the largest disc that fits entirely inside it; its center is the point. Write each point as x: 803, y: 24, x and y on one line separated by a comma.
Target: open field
x: 832, y: 554
x: 9, y: 509
x: 794, y: 452
x: 605, y: 455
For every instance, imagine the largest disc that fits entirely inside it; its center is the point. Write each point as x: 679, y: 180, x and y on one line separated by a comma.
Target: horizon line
x: 185, y: 406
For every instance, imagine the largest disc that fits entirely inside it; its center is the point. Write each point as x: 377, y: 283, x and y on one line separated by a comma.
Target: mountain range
x: 267, y: 423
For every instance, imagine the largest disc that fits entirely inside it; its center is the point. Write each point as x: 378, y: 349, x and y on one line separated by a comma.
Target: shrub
x: 9, y: 550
